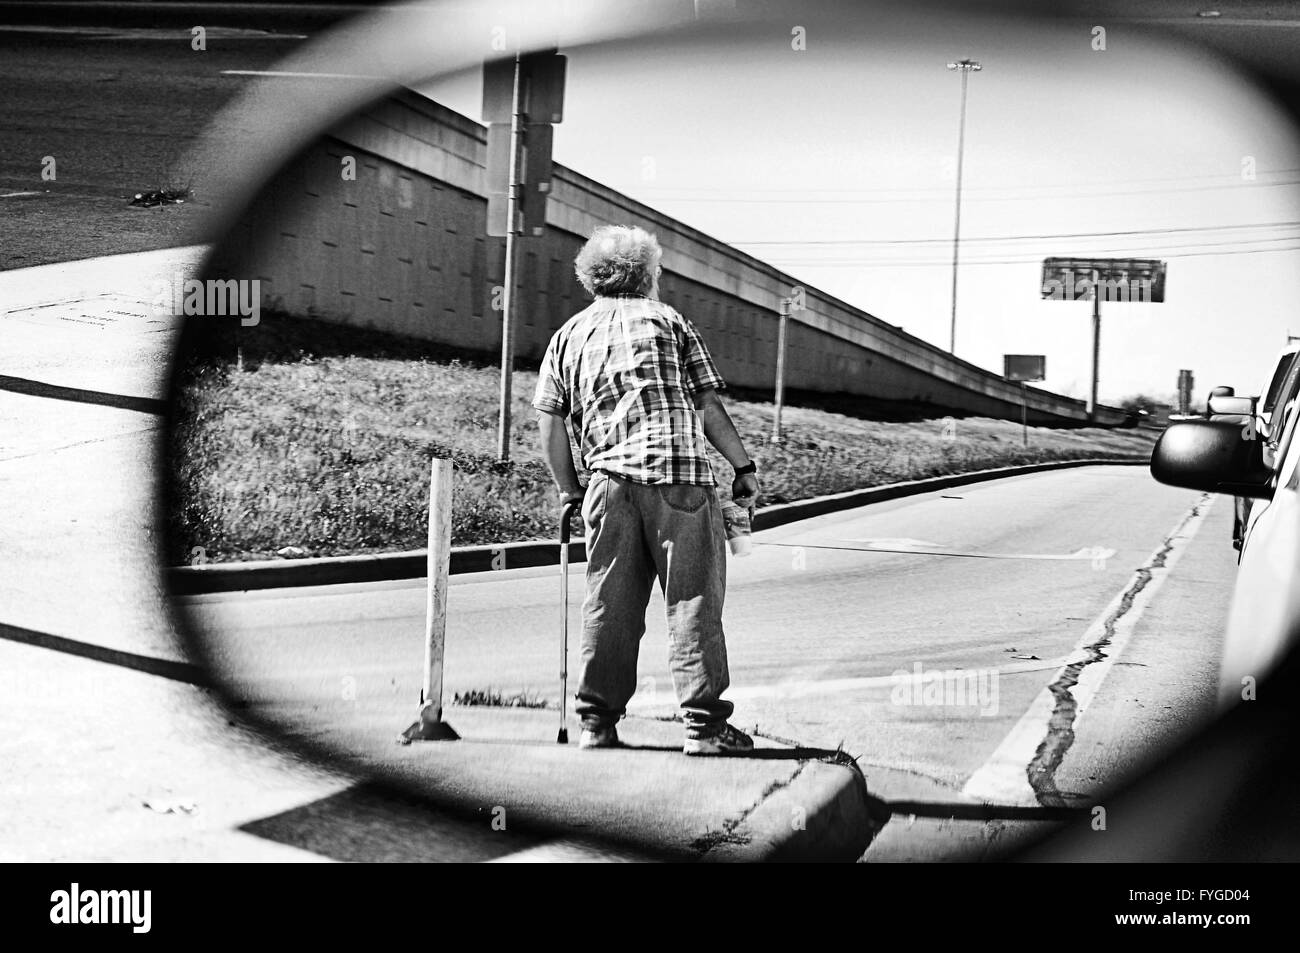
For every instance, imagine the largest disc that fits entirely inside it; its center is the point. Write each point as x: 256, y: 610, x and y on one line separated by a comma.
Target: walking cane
x: 566, y: 516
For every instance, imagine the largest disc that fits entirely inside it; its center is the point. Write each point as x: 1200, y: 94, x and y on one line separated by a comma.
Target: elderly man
x: 637, y: 383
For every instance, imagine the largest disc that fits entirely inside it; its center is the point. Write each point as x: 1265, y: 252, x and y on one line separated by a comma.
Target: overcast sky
x: 836, y: 164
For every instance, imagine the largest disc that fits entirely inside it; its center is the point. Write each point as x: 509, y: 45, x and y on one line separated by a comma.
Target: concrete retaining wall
x: 402, y: 248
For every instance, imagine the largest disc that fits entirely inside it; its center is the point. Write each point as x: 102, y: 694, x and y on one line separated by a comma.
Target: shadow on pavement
x: 369, y: 823
x: 30, y: 388
x: 164, y: 668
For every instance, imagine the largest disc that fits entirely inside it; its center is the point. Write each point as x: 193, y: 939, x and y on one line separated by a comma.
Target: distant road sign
x: 1186, y: 384
x: 1115, y: 279
x: 541, y: 103
x: 534, y: 173
x: 541, y: 97
x: 1024, y: 367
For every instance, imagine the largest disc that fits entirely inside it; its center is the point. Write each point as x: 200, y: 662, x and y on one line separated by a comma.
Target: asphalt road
x: 818, y: 638
x: 117, y: 111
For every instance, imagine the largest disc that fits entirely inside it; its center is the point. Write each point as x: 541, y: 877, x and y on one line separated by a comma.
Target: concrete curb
x: 335, y: 570
x: 178, y: 15
x: 783, y: 513
x: 412, y: 564
x: 823, y: 815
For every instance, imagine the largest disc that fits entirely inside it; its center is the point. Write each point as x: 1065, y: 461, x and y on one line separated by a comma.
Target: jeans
x: 636, y: 534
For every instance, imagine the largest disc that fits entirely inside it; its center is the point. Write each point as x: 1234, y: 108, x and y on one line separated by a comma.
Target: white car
x: 1224, y: 406
x: 1221, y: 455
x: 1273, y: 387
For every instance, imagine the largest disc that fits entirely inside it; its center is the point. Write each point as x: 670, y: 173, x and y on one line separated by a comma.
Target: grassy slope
x: 330, y: 454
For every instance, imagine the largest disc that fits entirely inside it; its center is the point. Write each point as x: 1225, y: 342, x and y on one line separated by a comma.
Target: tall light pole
x: 965, y: 68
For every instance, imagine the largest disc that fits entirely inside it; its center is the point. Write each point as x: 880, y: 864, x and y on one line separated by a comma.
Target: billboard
x: 1114, y: 279
x: 1024, y: 367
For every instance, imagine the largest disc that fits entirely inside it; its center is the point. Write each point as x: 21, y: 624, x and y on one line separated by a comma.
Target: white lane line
x: 907, y: 547
x: 1004, y: 778
x: 288, y: 75
x: 916, y: 677
x: 19, y: 195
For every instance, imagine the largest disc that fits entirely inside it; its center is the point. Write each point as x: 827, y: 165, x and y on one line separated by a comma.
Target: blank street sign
x: 1024, y: 367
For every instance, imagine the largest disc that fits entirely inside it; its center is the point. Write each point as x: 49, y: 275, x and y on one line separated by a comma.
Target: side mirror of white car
x: 1213, y: 456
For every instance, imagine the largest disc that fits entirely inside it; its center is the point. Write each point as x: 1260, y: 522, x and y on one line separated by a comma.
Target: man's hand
x: 721, y: 432
x: 559, y: 456
x: 744, y: 490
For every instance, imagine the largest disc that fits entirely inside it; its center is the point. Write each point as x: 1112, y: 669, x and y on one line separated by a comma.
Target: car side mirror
x: 1231, y: 405
x: 1212, y: 456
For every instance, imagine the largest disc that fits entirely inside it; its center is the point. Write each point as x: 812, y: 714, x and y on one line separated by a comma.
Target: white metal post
x: 435, y: 617
x: 429, y: 726
x: 780, y: 369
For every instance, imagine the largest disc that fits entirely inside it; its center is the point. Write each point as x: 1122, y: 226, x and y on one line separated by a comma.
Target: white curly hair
x: 619, y: 259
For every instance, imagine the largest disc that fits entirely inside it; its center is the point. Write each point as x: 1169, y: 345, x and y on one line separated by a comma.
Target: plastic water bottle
x: 736, y: 520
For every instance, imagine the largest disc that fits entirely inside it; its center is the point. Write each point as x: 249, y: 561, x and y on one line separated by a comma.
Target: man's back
x: 626, y: 370
x: 639, y: 387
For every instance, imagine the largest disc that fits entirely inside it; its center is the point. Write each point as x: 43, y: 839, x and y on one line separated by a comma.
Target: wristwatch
x: 750, y: 467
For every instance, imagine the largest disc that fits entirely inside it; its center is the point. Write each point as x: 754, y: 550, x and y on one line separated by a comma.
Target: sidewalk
x: 779, y: 803
x: 107, y: 761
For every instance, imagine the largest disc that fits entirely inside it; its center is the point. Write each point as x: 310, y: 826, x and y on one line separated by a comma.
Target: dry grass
x: 330, y: 454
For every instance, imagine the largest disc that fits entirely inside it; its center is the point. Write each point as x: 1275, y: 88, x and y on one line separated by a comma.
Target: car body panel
x: 1266, y: 599
x: 1286, y: 369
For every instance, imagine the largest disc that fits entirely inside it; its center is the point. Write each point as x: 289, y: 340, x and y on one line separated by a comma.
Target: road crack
x: 1041, y: 771
x: 728, y: 833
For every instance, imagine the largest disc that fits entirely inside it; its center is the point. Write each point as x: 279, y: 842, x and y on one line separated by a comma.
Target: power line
x: 748, y: 190
x: 845, y: 198
x: 938, y: 263
x: 1171, y: 230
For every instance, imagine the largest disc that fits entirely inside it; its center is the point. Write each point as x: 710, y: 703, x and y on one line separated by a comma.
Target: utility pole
x: 1096, y: 345
x: 1024, y: 415
x: 965, y: 68
x: 780, y: 370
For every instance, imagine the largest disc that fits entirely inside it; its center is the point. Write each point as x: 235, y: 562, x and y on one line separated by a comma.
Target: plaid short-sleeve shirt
x: 625, y: 371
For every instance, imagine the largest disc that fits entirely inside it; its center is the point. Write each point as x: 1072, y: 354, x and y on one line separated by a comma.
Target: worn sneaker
x: 726, y: 740
x: 605, y: 736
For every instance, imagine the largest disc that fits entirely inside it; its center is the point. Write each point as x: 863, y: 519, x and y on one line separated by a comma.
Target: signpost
x: 523, y: 96
x: 1114, y: 279
x: 787, y: 305
x: 1024, y: 368
x: 796, y: 302
x: 1185, y: 388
